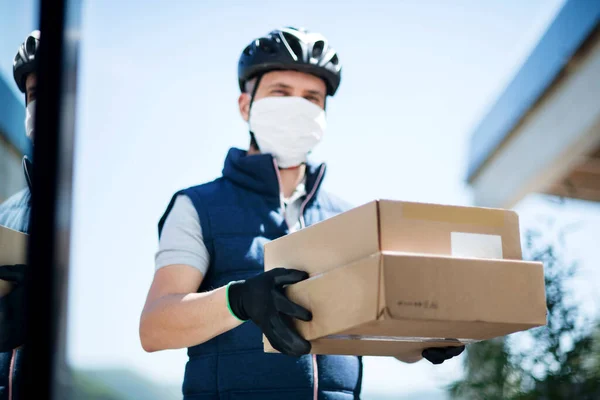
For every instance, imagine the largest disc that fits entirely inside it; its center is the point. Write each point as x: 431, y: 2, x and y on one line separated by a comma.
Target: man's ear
x: 244, y: 105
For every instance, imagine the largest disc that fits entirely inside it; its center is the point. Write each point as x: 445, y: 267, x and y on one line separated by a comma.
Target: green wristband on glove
x: 229, y: 305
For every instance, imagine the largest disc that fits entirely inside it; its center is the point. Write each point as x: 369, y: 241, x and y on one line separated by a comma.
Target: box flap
x: 339, y: 299
x: 407, y: 351
x: 336, y: 241
x: 413, y: 329
x: 454, y: 289
x: 449, y: 230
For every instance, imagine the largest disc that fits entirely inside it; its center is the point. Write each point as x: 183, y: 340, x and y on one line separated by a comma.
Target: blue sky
x: 157, y: 111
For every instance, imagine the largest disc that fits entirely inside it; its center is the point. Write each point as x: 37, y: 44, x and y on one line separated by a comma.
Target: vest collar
x: 258, y: 173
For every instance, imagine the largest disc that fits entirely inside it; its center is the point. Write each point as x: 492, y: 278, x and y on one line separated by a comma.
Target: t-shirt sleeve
x: 181, y: 239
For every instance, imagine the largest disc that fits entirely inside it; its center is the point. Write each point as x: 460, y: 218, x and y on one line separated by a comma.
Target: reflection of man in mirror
x: 14, y: 214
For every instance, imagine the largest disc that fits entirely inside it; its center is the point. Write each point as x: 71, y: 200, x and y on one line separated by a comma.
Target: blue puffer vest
x: 239, y: 213
x: 14, y: 214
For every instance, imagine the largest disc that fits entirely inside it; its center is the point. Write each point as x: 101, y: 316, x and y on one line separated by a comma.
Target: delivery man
x: 14, y: 214
x: 210, y: 293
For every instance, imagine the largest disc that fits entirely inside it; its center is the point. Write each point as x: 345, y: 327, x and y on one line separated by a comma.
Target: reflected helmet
x: 24, y: 62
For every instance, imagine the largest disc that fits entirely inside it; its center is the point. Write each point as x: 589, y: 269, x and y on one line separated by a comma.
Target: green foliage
x: 490, y: 375
x: 563, y: 358
x: 85, y: 387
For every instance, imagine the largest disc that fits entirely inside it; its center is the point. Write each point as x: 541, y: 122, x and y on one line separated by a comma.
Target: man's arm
x: 175, y: 317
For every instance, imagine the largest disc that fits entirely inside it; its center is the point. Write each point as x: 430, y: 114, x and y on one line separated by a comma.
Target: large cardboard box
x: 12, y: 251
x: 391, y: 278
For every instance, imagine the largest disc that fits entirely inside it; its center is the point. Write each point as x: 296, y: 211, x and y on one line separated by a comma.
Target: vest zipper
x: 315, y: 377
x: 281, y: 202
x: 11, y: 373
x: 310, y: 195
x: 303, y: 225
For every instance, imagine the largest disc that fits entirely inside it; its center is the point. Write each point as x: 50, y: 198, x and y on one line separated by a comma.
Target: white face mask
x: 287, y: 127
x: 29, y: 118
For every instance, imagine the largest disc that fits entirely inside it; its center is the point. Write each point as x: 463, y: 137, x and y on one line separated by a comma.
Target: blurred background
x: 493, y: 104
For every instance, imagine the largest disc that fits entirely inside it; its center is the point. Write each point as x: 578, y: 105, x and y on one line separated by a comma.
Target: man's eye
x: 279, y: 92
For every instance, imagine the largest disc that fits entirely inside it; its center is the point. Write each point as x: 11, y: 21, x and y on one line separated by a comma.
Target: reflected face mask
x: 29, y: 119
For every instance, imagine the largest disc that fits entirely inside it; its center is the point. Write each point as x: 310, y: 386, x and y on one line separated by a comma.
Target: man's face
x: 30, y: 87
x: 286, y: 83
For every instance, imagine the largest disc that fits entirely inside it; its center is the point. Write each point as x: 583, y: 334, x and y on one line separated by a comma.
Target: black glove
x: 437, y: 355
x: 12, y: 308
x: 13, y: 273
x: 261, y: 300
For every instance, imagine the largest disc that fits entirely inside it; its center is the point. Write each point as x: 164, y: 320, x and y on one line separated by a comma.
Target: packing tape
x: 455, y: 215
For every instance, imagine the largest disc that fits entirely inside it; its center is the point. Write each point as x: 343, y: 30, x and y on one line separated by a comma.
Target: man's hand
x: 13, y: 273
x: 437, y: 355
x: 11, y: 276
x: 261, y: 300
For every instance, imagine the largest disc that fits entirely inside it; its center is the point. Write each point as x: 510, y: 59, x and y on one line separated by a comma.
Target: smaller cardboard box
x: 391, y: 278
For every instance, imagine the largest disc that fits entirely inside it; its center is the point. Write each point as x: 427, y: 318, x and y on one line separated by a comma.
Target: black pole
x: 44, y: 374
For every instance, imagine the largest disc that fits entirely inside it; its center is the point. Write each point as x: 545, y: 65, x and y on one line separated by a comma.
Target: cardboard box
x: 12, y: 251
x: 391, y: 278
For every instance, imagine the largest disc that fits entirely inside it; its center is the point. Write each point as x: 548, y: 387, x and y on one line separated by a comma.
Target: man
x: 209, y: 292
x: 14, y: 214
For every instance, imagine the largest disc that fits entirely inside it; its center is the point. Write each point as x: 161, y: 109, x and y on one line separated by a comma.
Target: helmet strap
x: 27, y: 169
x: 253, y: 141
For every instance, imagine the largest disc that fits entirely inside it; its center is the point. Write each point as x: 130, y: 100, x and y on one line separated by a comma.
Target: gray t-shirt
x: 181, y: 239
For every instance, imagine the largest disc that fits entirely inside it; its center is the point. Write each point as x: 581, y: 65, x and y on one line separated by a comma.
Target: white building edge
x: 543, y: 133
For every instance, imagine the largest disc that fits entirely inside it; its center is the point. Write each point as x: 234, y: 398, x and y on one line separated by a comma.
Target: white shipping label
x: 476, y: 245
